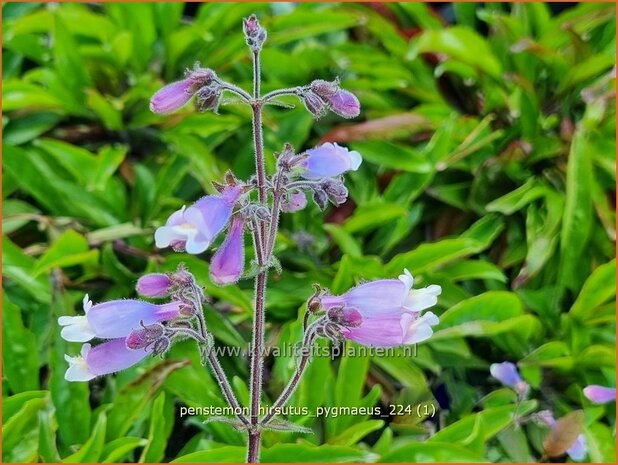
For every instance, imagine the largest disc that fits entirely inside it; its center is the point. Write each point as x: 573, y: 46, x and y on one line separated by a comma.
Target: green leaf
x: 356, y: 432
x: 374, y: 215
x: 69, y: 249
x: 599, y: 288
x: 429, y: 256
x: 345, y: 241
x: 473, y: 269
x: 15, y: 214
x: 67, y: 61
x: 461, y: 44
x: 577, y: 219
x: 393, y: 156
x: 130, y: 402
x: 158, y: 432
x: 20, y: 434
x: 481, y: 316
x: 517, y: 199
x: 71, y: 400
x: 104, y: 109
x: 48, y: 451
x: 118, y: 449
x: 493, y: 420
x: 17, y: 267
x: 302, y: 453
x: 440, y: 452
x: 13, y: 404
x: 20, y: 359
x: 28, y: 127
x: 225, y: 454
x: 91, y: 451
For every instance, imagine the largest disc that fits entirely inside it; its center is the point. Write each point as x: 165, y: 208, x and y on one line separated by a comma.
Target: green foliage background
x: 489, y: 151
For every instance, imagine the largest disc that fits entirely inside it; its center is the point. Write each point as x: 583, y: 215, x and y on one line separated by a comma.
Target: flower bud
x: 172, y: 97
x: 316, y: 106
x: 600, y: 394
x: 255, y: 35
x: 323, y: 88
x: 348, y: 317
x: 345, y: 104
x: 320, y: 198
x: 294, y: 201
x: 142, y: 338
x: 154, y: 285
x: 209, y: 98
x: 336, y: 190
x: 161, y: 346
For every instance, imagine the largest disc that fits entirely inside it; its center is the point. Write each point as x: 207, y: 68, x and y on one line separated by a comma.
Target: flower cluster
x: 382, y: 313
x: 508, y: 375
x: 321, y: 96
x: 121, y: 322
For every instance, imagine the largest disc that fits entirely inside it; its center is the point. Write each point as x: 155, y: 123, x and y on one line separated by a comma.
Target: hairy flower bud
x: 147, y: 335
x: 209, y: 98
x: 336, y: 190
x: 320, y: 198
x: 255, y: 35
x: 323, y: 88
x: 294, y: 201
x: 314, y: 104
x: 345, y: 104
x: 175, y: 95
x: 154, y: 285
x: 339, y: 101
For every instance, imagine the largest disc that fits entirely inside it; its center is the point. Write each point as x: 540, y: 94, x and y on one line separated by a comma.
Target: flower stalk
x: 383, y: 313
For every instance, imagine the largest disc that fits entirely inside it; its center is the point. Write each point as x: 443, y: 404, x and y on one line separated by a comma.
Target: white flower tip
x: 431, y: 318
x: 162, y: 237
x: 355, y: 160
x: 76, y: 329
x: 194, y: 246
x: 78, y: 369
x: 86, y: 303
x: 407, y: 279
x: 434, y: 289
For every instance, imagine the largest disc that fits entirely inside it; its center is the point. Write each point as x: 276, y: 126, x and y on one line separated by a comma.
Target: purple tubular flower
x: 114, y: 319
x: 600, y: 394
x: 507, y: 374
x: 175, y: 95
x: 387, y: 312
x: 172, y: 97
x: 154, y: 285
x: 295, y: 201
x: 228, y: 262
x: 328, y: 160
x: 193, y: 229
x: 106, y: 358
x: 344, y: 103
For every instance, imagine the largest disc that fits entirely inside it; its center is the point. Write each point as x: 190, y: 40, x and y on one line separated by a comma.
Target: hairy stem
x: 257, y: 346
x: 285, y: 395
x: 212, y: 359
x: 274, y: 217
x: 281, y: 92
